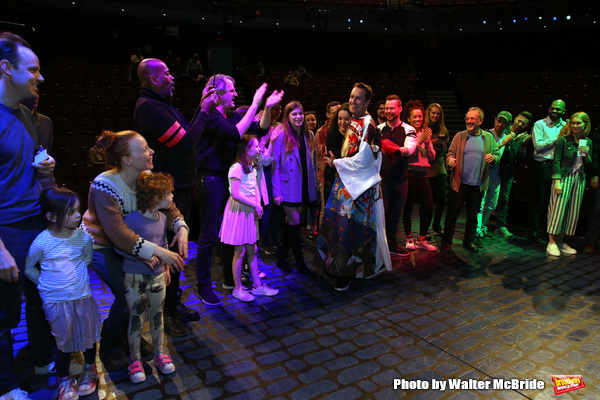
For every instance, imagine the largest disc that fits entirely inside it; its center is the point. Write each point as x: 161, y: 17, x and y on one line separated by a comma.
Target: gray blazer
x: 287, y: 172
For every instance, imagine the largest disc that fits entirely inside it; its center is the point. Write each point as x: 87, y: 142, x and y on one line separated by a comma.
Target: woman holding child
x: 112, y: 197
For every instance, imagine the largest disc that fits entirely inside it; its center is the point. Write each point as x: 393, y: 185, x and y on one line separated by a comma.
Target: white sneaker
x: 553, y: 250
x: 568, y: 250
x: 264, y: 290
x: 49, y: 369
x: 423, y: 245
x: 410, y: 243
x: 504, y: 232
x: 242, y: 295
x: 15, y: 394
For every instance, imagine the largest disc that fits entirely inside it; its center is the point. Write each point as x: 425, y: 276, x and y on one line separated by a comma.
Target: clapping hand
x: 259, y: 94
x: 274, y: 99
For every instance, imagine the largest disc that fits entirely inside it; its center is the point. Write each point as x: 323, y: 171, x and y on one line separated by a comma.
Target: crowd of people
x: 257, y: 180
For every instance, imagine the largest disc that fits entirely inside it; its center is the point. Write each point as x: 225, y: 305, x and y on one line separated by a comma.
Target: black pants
x: 540, y: 195
x: 471, y: 196
x: 394, y: 198
x: 183, y: 200
x: 438, y: 189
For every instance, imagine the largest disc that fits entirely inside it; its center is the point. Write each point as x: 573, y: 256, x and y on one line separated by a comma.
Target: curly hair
x: 151, y: 189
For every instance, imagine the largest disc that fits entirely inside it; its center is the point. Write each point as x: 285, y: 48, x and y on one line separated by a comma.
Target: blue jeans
x: 212, y: 193
x: 108, y: 265
x: 17, y: 237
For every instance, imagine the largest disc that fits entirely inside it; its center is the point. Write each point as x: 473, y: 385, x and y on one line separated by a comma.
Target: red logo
x: 567, y: 383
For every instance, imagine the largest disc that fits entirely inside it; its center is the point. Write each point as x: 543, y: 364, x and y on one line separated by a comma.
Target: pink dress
x: 240, y: 224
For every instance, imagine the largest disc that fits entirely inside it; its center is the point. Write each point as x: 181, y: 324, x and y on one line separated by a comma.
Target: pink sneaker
x: 164, y: 363
x: 66, y: 389
x: 88, y: 380
x: 136, y: 372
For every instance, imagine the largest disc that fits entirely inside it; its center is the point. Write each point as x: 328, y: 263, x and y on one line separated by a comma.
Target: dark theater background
x: 508, y: 312
x: 515, y: 55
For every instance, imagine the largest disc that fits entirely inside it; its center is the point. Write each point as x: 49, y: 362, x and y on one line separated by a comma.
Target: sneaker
x: 164, y: 363
x: 228, y: 287
x: 568, y: 250
x: 410, y: 243
x: 208, y: 297
x: 264, y: 290
x: 400, y: 251
x: 242, y: 295
x: 553, y: 250
x: 66, y: 389
x: 136, y: 372
x: 246, y: 272
x: 269, y: 250
x: 504, y: 232
x: 49, y: 369
x: 88, y: 380
x: 342, y: 284
x: 424, y: 245
x: 16, y: 394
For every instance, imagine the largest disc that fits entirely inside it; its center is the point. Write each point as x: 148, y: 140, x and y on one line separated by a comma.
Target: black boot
x: 184, y: 313
x: 282, y: 262
x: 296, y: 245
x: 174, y: 326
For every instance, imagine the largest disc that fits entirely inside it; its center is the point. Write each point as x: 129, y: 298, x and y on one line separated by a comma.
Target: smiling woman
x: 294, y: 180
x: 112, y: 197
x: 571, y: 157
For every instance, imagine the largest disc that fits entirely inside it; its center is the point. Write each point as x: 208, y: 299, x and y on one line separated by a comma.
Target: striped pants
x: 563, y: 210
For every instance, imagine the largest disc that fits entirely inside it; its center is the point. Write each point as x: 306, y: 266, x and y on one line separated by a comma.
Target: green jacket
x: 456, y: 151
x: 565, y: 153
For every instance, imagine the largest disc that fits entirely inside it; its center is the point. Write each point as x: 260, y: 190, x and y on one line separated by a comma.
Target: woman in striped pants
x: 572, y: 154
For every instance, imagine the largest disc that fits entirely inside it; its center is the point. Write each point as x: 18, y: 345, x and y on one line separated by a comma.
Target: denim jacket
x: 565, y: 154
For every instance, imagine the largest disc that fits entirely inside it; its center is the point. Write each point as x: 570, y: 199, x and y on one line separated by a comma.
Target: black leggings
x: 418, y: 189
x: 63, y: 361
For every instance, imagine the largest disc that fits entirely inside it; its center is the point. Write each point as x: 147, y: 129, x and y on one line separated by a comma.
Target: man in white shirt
x: 399, y: 141
x: 544, y: 135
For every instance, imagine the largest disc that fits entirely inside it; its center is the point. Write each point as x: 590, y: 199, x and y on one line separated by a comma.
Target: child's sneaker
x: 264, y: 290
x: 88, y: 380
x: 410, y: 243
x: 164, y: 363
x: 66, y: 389
x: 136, y: 372
x: 242, y: 295
x: 424, y: 245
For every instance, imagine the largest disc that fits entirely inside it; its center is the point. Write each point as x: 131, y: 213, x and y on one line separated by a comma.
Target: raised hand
x: 259, y: 94
x: 209, y: 101
x: 274, y: 99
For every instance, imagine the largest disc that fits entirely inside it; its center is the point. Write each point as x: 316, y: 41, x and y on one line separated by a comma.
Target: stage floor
x: 508, y: 312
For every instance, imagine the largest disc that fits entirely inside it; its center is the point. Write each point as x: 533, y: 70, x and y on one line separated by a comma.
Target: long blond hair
x: 586, y: 120
x: 441, y: 122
